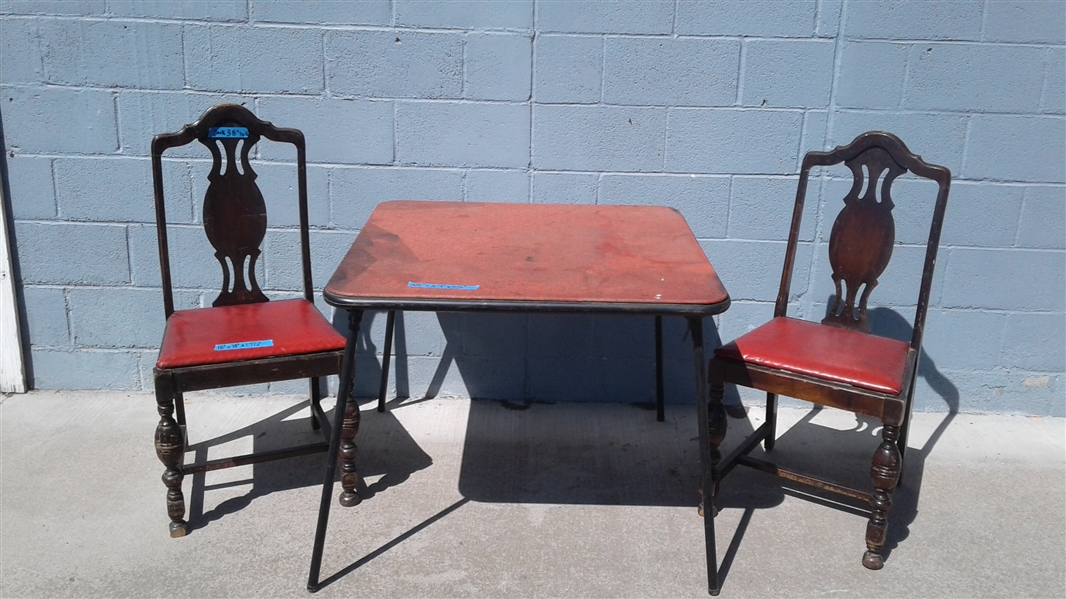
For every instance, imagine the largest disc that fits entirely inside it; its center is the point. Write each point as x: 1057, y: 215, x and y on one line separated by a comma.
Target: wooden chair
x: 243, y: 338
x: 837, y: 362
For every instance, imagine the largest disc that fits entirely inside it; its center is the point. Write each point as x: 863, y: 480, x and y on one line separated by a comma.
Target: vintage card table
x: 547, y: 258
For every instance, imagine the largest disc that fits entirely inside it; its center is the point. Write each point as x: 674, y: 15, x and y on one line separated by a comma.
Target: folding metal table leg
x: 344, y: 392
x: 390, y: 325
x: 706, y: 467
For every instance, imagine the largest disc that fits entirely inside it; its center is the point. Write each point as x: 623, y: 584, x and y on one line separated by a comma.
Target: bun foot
x: 350, y: 499
x: 178, y: 529
x: 873, y: 561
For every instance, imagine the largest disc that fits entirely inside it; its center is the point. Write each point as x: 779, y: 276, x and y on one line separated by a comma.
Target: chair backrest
x: 862, y: 237
x: 234, y: 212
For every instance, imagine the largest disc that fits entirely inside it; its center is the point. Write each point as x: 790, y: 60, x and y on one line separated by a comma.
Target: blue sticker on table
x: 244, y: 345
x: 442, y: 286
x: 227, y: 133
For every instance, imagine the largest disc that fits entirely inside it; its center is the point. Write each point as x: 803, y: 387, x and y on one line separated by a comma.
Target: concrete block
x: 744, y: 317
x: 323, y: 12
x: 87, y: 189
x: 336, y: 131
x: 356, y: 191
x: 20, y: 51
x: 670, y: 71
x: 465, y: 14
x: 938, y: 138
x: 751, y: 270
x: 497, y: 186
x: 64, y: 254
x: 815, y: 125
x: 123, y: 317
x: 192, y: 10
x: 112, y: 53
x: 982, y: 214
x: 564, y: 188
x: 872, y: 75
x: 53, y: 7
x: 788, y: 73
x: 243, y: 59
x: 647, y: 17
x: 498, y: 67
x: 33, y: 195
x: 827, y: 23
x: 56, y: 120
x: 488, y: 335
x: 85, y: 369
x: 702, y: 200
x: 762, y: 207
x: 192, y: 259
x: 569, y: 69
x: 625, y: 337
x: 1054, y: 95
x: 278, y: 183
x: 1035, y: 342
x: 631, y: 381
x: 774, y: 19
x: 1004, y: 280
x: 144, y: 114
x: 954, y: 20
x: 752, y: 142
x: 282, y: 264
x: 406, y: 64
x: 601, y: 138
x: 964, y: 339
x: 981, y: 77
x: 1025, y: 21
x: 467, y: 134
x: 995, y: 137
x: 46, y: 317
x: 1043, y: 220
x: 986, y: 392
x: 560, y: 336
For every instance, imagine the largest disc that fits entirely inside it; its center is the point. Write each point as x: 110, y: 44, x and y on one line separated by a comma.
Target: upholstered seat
x: 245, y: 332
x: 825, y: 352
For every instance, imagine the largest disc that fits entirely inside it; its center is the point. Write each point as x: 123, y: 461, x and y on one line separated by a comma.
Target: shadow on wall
x: 538, y: 357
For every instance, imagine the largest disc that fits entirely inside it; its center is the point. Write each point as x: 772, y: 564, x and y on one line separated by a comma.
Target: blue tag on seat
x: 244, y: 345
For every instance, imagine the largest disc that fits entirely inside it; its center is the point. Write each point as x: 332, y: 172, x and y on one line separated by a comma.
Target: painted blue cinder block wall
x: 704, y: 106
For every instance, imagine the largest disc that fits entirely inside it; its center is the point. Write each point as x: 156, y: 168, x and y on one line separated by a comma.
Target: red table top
x: 534, y: 257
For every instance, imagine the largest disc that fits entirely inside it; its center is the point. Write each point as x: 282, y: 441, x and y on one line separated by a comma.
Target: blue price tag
x: 442, y: 286
x: 227, y: 133
x: 244, y: 345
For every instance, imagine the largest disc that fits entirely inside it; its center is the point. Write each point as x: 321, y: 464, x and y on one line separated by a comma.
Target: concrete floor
x: 489, y: 499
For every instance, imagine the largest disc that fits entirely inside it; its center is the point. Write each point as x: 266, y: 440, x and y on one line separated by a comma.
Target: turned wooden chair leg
x: 885, y: 471
x: 350, y: 428
x: 170, y: 448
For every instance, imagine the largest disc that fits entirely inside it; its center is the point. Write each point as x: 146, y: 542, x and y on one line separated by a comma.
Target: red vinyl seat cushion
x: 825, y: 352
x: 245, y: 332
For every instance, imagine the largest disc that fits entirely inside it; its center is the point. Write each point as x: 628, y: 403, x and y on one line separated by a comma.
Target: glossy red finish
x: 293, y: 326
x: 826, y: 352
x: 537, y: 253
